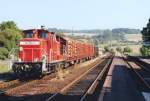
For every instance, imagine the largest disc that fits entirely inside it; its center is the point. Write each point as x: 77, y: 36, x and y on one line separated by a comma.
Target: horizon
x: 91, y: 29
x: 77, y: 15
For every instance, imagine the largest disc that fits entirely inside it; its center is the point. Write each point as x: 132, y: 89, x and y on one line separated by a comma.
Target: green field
x: 4, y: 68
x: 135, y: 48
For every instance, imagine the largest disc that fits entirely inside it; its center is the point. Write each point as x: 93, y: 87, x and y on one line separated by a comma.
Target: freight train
x: 42, y: 51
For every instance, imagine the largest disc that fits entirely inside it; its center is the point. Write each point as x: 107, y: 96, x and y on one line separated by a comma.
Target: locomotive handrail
x: 11, y: 54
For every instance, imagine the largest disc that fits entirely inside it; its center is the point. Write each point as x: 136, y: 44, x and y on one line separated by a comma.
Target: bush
x: 119, y: 49
x: 9, y: 36
x: 106, y: 49
x: 127, y: 50
x: 112, y: 50
x: 144, y: 51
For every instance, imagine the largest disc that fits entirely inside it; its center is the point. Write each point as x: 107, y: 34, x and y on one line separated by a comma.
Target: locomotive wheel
x: 17, y: 70
x: 25, y: 71
x: 38, y: 70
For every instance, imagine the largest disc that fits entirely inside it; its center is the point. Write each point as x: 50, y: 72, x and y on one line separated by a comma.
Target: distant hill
x: 75, y: 31
x: 126, y: 30
x: 99, y: 31
x: 102, y: 36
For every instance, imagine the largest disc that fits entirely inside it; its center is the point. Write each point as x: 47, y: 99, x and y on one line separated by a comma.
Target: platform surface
x: 119, y: 85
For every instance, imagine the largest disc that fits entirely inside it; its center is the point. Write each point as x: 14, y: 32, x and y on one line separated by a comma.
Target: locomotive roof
x: 36, y: 29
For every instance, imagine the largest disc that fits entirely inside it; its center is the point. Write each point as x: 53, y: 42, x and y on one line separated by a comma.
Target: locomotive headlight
x: 36, y: 59
x: 19, y: 59
x: 21, y: 49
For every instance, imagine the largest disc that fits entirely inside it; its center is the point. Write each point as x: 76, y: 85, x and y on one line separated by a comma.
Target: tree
x: 8, y: 25
x: 144, y: 51
x: 3, y: 53
x: 106, y: 48
x: 107, y: 35
x: 9, y: 36
x: 127, y: 50
x: 60, y: 34
x: 119, y: 49
x: 146, y: 33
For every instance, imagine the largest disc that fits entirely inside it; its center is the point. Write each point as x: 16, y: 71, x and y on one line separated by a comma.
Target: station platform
x: 119, y: 84
x: 146, y: 60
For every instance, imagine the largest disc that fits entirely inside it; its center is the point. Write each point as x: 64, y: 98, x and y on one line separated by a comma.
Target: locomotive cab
x: 32, y: 52
x: 39, y: 52
x: 33, y: 45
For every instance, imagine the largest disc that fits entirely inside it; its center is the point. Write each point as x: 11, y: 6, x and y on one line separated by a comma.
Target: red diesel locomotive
x: 41, y: 51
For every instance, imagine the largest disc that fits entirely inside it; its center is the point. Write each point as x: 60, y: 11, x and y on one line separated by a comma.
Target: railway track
x: 31, y: 90
x: 8, y: 76
x: 141, y: 63
x: 7, y: 85
x: 87, y: 87
x: 34, y: 83
x: 13, y: 82
x: 141, y: 72
x: 6, y: 79
x: 10, y: 81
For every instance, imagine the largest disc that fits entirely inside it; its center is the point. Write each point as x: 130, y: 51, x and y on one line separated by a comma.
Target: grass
x: 4, y: 68
x: 135, y: 49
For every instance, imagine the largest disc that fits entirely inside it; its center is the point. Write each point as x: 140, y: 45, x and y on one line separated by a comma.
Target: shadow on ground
x: 123, y: 86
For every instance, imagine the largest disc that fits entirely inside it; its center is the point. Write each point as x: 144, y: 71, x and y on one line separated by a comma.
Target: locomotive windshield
x: 43, y: 35
x: 28, y: 34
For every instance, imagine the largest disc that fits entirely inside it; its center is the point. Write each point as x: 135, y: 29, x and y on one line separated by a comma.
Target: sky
x: 76, y: 14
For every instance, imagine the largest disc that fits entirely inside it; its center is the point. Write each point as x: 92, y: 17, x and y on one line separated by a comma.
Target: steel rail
x: 51, y: 98
x: 73, y: 82
x: 138, y: 74
x: 100, y: 75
